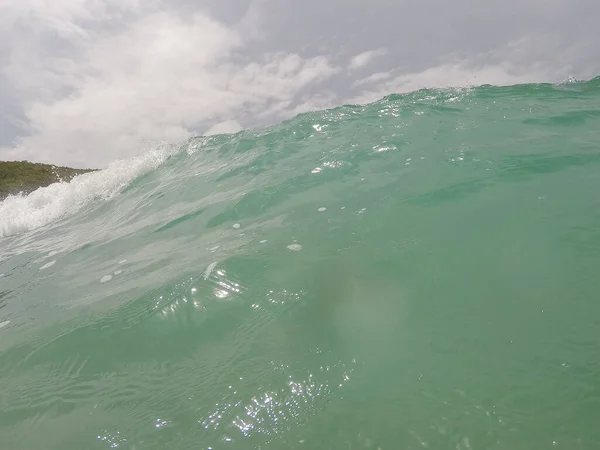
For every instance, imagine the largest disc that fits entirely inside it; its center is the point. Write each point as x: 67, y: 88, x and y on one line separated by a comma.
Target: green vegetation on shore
x: 26, y: 177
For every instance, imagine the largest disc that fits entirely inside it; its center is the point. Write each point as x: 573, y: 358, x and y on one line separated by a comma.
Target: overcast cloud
x: 83, y: 82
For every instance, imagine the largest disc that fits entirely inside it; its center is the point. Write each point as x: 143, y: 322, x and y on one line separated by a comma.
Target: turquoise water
x: 420, y: 272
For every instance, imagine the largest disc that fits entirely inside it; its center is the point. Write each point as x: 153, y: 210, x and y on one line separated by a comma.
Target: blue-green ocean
x: 422, y: 272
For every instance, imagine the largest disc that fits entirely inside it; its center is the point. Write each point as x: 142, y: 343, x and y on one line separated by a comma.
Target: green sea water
x: 420, y: 272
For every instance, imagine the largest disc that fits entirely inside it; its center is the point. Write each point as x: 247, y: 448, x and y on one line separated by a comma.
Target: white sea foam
x: 209, y: 269
x: 21, y: 213
x: 50, y: 264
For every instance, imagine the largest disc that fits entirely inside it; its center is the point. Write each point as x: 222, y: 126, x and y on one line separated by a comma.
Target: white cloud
x: 364, y: 58
x: 225, y: 127
x: 374, y: 78
x: 162, y: 77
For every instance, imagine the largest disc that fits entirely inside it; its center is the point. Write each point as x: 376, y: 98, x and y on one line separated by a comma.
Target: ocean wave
x: 22, y: 213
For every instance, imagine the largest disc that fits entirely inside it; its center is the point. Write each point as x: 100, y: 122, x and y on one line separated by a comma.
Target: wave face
x: 416, y: 272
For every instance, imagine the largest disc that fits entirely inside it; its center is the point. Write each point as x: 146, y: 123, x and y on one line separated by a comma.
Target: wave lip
x: 22, y: 213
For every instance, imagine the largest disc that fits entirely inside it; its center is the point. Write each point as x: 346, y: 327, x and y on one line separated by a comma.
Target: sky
x: 85, y: 82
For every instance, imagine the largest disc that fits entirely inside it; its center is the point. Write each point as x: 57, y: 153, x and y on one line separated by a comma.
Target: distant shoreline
x: 25, y: 177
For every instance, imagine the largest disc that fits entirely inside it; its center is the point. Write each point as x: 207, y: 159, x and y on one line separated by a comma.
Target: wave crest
x: 22, y: 213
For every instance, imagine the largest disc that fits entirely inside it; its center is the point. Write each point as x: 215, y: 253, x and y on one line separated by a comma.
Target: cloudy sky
x: 84, y: 82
